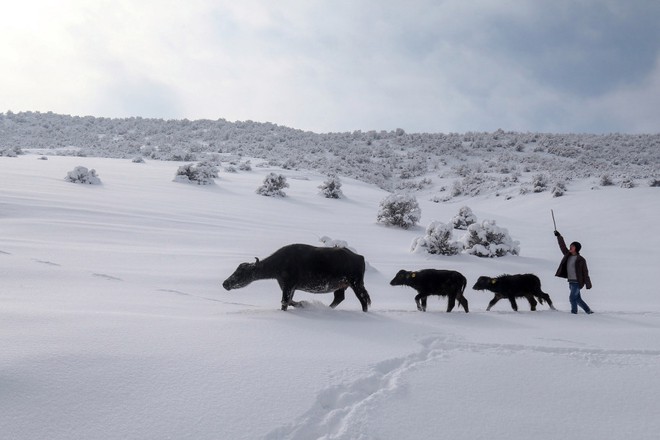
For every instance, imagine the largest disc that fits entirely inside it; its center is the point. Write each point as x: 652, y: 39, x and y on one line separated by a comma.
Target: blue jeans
x: 576, y: 299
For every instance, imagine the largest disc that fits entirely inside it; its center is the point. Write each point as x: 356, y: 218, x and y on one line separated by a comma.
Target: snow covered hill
x: 114, y: 323
x: 455, y: 164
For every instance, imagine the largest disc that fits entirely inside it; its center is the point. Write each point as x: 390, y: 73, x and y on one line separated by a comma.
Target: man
x: 574, y: 267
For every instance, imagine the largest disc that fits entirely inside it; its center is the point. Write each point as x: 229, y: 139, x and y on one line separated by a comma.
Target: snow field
x: 115, y: 324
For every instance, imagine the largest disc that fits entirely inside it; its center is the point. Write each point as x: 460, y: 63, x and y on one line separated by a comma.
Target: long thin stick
x: 553, y: 219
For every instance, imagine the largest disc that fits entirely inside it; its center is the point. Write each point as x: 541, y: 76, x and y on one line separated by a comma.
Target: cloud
x: 343, y: 65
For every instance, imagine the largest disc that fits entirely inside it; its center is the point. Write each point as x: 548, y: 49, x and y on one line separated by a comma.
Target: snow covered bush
x: 486, y: 239
x: 463, y: 219
x: 273, y: 186
x: 138, y: 159
x: 627, y: 183
x: 539, y: 183
x: 606, y: 180
x: 558, y: 190
x: 438, y: 240
x: 400, y: 210
x: 10, y: 151
x: 201, y: 174
x: 330, y: 243
x: 82, y: 175
x: 331, y: 188
x: 654, y: 183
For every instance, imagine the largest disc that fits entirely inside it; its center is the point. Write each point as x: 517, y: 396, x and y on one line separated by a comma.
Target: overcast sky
x: 340, y: 65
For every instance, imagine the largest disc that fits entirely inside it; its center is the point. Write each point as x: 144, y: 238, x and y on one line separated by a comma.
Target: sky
x: 333, y: 66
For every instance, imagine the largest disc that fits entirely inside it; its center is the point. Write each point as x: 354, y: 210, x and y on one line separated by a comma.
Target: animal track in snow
x: 107, y: 277
x: 340, y: 410
x: 49, y: 263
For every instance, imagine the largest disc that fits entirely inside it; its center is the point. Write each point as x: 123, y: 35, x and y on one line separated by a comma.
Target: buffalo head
x: 403, y: 278
x: 485, y: 283
x: 242, y: 276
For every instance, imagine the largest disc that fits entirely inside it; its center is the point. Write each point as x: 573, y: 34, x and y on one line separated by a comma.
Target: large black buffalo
x: 309, y: 268
x: 427, y: 282
x: 512, y: 287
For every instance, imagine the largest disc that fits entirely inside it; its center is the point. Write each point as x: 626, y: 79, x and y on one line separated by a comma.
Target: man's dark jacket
x: 580, y: 265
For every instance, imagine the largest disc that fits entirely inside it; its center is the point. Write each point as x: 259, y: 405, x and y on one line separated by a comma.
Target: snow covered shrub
x: 464, y: 218
x: 399, y: 210
x: 245, y: 166
x: 329, y: 242
x: 438, y: 240
x: 558, y: 190
x: 486, y: 239
x: 654, y: 183
x: 201, y: 174
x: 456, y: 188
x: 606, y: 180
x: 82, y: 175
x: 273, y: 186
x: 627, y: 183
x: 138, y: 159
x: 331, y: 188
x: 539, y: 183
x: 11, y: 151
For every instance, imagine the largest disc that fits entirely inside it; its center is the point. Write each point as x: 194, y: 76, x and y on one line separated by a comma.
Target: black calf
x: 427, y: 282
x: 512, y: 287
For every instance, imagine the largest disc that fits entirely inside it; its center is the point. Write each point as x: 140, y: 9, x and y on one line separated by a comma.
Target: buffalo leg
x: 493, y: 301
x: 514, y: 305
x: 339, y: 297
x: 547, y: 299
x: 532, y: 302
x: 420, y: 300
x: 464, y: 302
x: 362, y: 295
x: 451, y: 302
x: 287, y: 298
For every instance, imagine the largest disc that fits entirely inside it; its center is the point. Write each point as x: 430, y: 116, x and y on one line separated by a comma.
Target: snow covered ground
x: 114, y: 323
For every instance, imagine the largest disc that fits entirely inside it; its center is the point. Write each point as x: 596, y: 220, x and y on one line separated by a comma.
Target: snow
x: 114, y: 323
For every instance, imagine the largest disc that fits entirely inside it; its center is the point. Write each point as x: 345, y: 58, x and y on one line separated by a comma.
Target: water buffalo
x: 427, y: 282
x: 308, y: 268
x: 512, y: 287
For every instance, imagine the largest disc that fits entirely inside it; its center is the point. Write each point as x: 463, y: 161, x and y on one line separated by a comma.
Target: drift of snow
x: 114, y: 323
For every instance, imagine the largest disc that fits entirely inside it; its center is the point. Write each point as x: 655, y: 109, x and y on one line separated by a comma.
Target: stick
x: 553, y: 219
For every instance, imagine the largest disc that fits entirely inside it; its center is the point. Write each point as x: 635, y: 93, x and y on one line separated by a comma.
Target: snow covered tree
x: 486, y: 239
x: 400, y: 210
x: 273, y: 186
x: 82, y: 175
x: 464, y: 218
x: 438, y: 240
x: 201, y: 174
x: 331, y: 188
